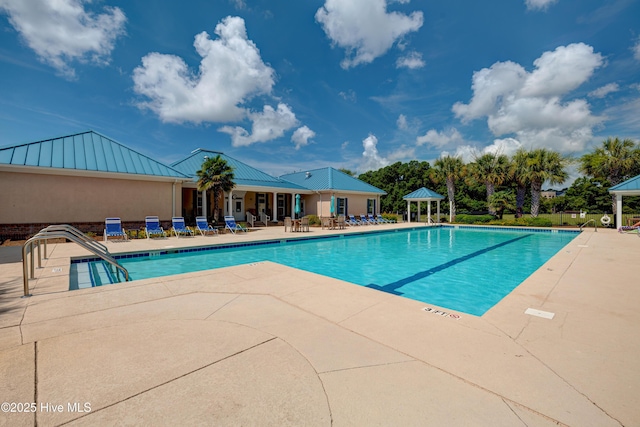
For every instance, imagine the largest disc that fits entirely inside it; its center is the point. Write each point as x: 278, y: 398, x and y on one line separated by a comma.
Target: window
x: 371, y: 206
x: 341, y: 206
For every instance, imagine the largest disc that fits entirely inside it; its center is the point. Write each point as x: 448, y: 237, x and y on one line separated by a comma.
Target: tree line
x: 496, y: 183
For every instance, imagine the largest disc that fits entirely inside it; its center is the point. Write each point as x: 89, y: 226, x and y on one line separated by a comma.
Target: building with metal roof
x: 86, y: 153
x: 82, y: 179
x: 257, y: 193
x: 351, y: 195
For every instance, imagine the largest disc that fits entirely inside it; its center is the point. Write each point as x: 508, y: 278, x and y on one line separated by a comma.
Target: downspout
x: 173, y: 198
x: 320, y: 194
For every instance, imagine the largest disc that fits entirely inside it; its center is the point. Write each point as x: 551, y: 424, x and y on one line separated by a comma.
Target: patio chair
x: 341, y: 222
x: 204, y: 227
x: 113, y: 228
x: 179, y: 228
x: 304, y: 223
x: 230, y: 224
x: 153, y: 228
x: 288, y: 224
x: 372, y: 219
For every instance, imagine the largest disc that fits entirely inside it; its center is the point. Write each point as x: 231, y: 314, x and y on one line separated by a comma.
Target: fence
x: 567, y: 219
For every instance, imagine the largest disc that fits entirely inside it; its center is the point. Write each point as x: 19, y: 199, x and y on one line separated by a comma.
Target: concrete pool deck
x: 265, y: 344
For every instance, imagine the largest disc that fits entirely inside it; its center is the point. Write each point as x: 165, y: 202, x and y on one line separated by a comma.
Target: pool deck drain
x: 272, y: 345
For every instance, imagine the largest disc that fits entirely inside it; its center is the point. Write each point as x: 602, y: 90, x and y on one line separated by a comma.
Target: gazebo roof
x: 629, y: 186
x: 423, y: 194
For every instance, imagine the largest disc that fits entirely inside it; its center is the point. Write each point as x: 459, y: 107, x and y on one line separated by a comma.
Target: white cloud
x: 412, y: 61
x: 301, y: 136
x: 636, y: 49
x: 506, y: 146
x: 404, y: 153
x: 371, y: 159
x: 62, y: 31
x: 529, y: 105
x: 402, y: 122
x: 349, y: 95
x: 440, y: 139
x: 468, y: 153
x: 605, y: 90
x: 239, y: 4
x: 268, y: 125
x: 539, y: 4
x: 364, y: 28
x: 231, y: 72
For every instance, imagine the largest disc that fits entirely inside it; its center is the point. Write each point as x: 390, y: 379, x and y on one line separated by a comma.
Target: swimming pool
x: 467, y: 269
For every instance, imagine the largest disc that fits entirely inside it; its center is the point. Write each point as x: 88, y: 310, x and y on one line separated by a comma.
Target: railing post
x: 32, y: 266
x: 39, y: 256
x: 25, y: 271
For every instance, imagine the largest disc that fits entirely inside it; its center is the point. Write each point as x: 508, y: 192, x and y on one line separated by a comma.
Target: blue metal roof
x: 330, y: 179
x: 632, y: 184
x: 87, y: 151
x: 423, y: 194
x: 243, y: 174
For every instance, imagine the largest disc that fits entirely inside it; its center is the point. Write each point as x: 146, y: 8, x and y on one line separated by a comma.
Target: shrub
x: 314, y: 220
x: 523, y: 222
x: 390, y: 217
x: 474, y: 219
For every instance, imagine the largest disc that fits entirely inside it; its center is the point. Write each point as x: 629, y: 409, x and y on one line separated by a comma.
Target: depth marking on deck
x: 442, y: 313
x: 539, y: 313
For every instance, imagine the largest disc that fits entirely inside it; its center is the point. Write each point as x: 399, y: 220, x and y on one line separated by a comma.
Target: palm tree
x: 518, y: 174
x: 491, y: 169
x: 215, y: 175
x: 501, y: 200
x: 615, y: 161
x: 544, y: 166
x: 449, y: 169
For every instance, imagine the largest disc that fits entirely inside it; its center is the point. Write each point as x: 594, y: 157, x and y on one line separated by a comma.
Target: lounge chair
x: 179, y: 228
x: 382, y: 220
x: 204, y: 227
x: 372, y: 219
x: 364, y: 220
x: 353, y: 221
x: 153, y: 227
x: 230, y: 224
x: 113, y: 228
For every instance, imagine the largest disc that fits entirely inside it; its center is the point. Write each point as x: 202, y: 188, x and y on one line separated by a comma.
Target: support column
x: 408, y: 211
x: 203, y: 208
x: 619, y: 210
x: 438, y: 212
x: 230, y: 204
x: 428, y: 211
x: 274, y: 208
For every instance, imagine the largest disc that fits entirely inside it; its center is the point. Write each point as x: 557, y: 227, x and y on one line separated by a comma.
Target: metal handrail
x: 66, y: 227
x: 251, y: 218
x: 595, y: 224
x: 265, y: 218
x: 67, y: 232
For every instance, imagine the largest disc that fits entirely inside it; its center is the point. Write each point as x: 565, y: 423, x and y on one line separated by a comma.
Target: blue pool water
x: 463, y: 269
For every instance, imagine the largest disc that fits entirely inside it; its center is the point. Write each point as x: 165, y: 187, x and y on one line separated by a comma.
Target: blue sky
x: 294, y: 85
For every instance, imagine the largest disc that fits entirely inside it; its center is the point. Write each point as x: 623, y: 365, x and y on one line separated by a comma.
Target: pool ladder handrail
x: 67, y: 232
x: 595, y: 224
